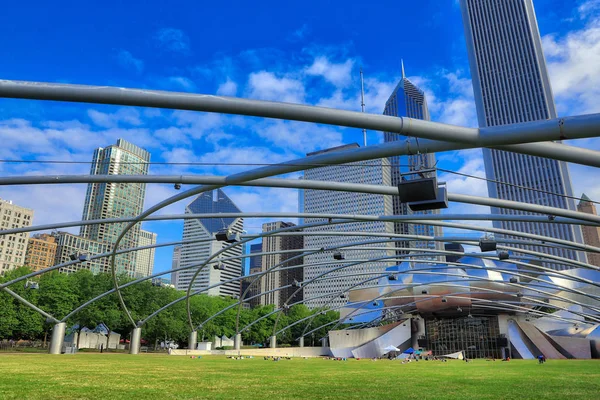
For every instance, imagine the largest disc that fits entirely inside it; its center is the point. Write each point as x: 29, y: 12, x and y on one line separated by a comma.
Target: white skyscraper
x: 13, y: 246
x: 511, y: 85
x: 374, y: 172
x: 201, y: 231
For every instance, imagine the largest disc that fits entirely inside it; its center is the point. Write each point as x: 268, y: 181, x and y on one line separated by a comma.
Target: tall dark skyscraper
x: 511, y: 85
x: 407, y: 100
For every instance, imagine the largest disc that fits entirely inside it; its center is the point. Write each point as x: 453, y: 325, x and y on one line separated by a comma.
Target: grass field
x: 118, y: 376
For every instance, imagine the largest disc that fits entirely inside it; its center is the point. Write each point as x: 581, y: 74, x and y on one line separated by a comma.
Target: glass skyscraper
x: 116, y: 200
x: 511, y: 85
x: 407, y: 100
x: 201, y: 231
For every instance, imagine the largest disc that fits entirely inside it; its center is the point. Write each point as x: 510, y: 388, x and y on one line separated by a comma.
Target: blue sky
x: 308, y: 52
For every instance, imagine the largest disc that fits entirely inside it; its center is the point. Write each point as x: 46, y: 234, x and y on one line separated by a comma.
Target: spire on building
x: 584, y: 198
x: 403, y: 73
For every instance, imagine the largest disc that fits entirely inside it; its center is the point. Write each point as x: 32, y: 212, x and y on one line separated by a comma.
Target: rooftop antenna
x: 403, y: 74
x: 362, y: 103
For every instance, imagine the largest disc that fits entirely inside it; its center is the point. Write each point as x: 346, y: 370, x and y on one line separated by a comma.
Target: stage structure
x: 502, y: 301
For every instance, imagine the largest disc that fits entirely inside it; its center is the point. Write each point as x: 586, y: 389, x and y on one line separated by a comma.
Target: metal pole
x: 136, y: 337
x: 193, y: 340
x: 58, y: 338
x: 362, y: 103
x: 237, y: 341
x: 273, y: 342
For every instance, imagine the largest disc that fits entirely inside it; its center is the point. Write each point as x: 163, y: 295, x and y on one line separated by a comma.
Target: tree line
x: 59, y: 294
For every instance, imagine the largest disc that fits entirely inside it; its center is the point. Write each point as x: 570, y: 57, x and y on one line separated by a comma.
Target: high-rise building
x: 14, y: 245
x: 286, y: 274
x: 255, y: 261
x: 116, y: 200
x: 373, y: 172
x: 511, y: 85
x: 175, y: 264
x: 591, y: 234
x: 407, y: 100
x: 41, y: 251
x: 144, y: 263
x: 254, y: 268
x: 202, y: 232
x: 71, y: 247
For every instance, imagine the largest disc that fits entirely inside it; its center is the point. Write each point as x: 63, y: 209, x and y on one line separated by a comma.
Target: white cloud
x: 128, y: 116
x: 179, y: 155
x: 339, y: 74
x: 298, y: 137
x: 267, y: 86
x: 227, y: 88
x: 181, y: 82
x: 128, y: 61
x: 174, y: 40
x: 572, y: 63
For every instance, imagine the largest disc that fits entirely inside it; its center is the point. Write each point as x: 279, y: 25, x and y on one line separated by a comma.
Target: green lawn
x: 148, y: 376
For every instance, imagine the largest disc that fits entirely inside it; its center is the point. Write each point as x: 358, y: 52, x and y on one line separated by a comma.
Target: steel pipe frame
x: 518, y: 137
x: 114, y: 276
x: 333, y: 158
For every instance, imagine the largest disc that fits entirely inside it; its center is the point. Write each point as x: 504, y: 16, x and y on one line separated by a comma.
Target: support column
x: 301, y: 342
x: 134, y: 345
x: 273, y: 343
x: 418, y: 326
x: 58, y: 338
x: 325, y: 342
x: 193, y: 340
x: 237, y: 341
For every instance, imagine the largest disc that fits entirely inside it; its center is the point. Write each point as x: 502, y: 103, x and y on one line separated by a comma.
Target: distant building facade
x: 145, y: 258
x: 68, y: 245
x: 200, y: 244
x: 254, y: 268
x: 591, y: 234
x: 286, y: 274
x: 116, y: 200
x: 374, y: 172
x: 13, y: 246
x: 407, y: 100
x: 41, y: 251
x: 511, y: 85
x: 175, y: 264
